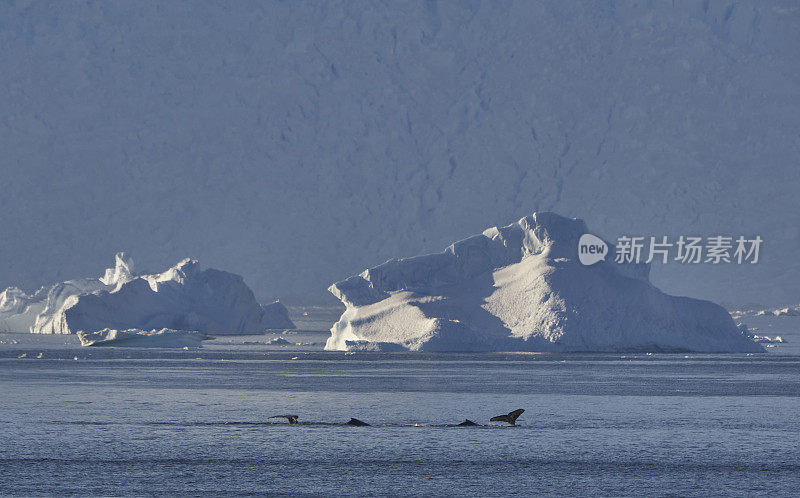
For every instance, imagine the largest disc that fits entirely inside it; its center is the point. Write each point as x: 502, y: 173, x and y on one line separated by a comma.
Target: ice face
x: 122, y: 271
x: 521, y: 287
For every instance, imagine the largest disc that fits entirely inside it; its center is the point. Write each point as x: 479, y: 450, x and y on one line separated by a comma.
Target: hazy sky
x: 297, y: 143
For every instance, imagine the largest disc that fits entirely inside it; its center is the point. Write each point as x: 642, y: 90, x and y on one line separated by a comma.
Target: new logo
x: 591, y: 249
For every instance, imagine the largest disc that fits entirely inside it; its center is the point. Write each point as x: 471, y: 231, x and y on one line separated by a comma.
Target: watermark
x: 591, y: 249
x: 718, y: 249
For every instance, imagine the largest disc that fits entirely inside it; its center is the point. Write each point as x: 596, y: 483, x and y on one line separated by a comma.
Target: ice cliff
x: 184, y: 297
x: 522, y: 288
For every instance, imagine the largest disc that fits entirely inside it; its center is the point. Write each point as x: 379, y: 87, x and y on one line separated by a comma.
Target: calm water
x: 136, y: 421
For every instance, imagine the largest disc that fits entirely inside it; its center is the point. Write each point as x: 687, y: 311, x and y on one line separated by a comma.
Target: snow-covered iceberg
x: 164, y: 338
x: 522, y: 288
x: 183, y: 298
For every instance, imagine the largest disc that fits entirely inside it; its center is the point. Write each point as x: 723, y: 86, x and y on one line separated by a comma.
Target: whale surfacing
x: 291, y: 418
x: 468, y: 423
x: 510, y: 419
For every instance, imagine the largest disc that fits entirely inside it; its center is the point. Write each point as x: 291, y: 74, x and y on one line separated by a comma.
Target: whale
x: 291, y: 418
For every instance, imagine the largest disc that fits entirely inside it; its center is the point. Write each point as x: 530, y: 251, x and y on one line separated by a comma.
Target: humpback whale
x: 510, y: 419
x: 357, y: 423
x: 291, y: 418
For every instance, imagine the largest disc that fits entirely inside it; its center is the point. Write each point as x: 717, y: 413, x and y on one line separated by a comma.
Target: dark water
x: 130, y: 421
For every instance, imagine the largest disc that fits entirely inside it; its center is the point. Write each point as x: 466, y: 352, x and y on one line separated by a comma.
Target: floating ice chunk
x: 164, y: 338
x: 768, y: 339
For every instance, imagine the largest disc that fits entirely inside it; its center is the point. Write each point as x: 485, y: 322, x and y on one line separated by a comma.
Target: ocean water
x: 130, y: 421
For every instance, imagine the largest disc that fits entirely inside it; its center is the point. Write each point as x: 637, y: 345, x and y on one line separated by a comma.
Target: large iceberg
x: 183, y: 298
x: 522, y: 288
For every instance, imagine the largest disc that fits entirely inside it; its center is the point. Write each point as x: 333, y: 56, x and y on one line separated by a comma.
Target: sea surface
x: 139, y: 421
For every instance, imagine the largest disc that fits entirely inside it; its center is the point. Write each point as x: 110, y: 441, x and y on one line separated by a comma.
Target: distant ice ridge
x: 779, y: 312
x: 184, y: 298
x: 521, y: 288
x: 767, y: 339
x: 164, y: 338
x: 788, y: 311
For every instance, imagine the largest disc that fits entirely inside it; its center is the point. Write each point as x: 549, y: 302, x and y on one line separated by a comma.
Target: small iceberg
x: 164, y: 338
x: 278, y: 341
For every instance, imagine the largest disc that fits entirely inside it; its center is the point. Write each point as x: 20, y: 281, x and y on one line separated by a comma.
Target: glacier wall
x: 297, y: 143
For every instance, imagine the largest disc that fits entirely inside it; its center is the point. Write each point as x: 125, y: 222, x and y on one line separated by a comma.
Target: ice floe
x: 164, y: 338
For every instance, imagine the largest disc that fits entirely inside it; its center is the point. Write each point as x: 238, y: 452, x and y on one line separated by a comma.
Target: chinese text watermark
x: 715, y: 250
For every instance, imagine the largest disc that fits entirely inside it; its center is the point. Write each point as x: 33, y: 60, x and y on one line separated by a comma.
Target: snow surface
x: 183, y: 297
x: 342, y: 133
x: 164, y: 338
x: 521, y: 288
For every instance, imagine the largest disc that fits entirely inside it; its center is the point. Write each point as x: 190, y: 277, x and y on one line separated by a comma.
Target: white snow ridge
x: 522, y: 288
x: 183, y: 298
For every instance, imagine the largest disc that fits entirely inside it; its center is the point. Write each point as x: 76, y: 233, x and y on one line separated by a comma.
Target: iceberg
x: 521, y: 287
x: 184, y: 297
x: 164, y: 338
x: 278, y: 341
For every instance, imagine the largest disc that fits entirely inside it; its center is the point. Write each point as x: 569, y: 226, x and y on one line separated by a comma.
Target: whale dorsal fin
x: 357, y: 423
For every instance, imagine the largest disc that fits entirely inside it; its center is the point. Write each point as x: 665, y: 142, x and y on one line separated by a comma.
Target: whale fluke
x: 467, y: 423
x: 291, y: 418
x: 510, y: 419
x: 357, y: 423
